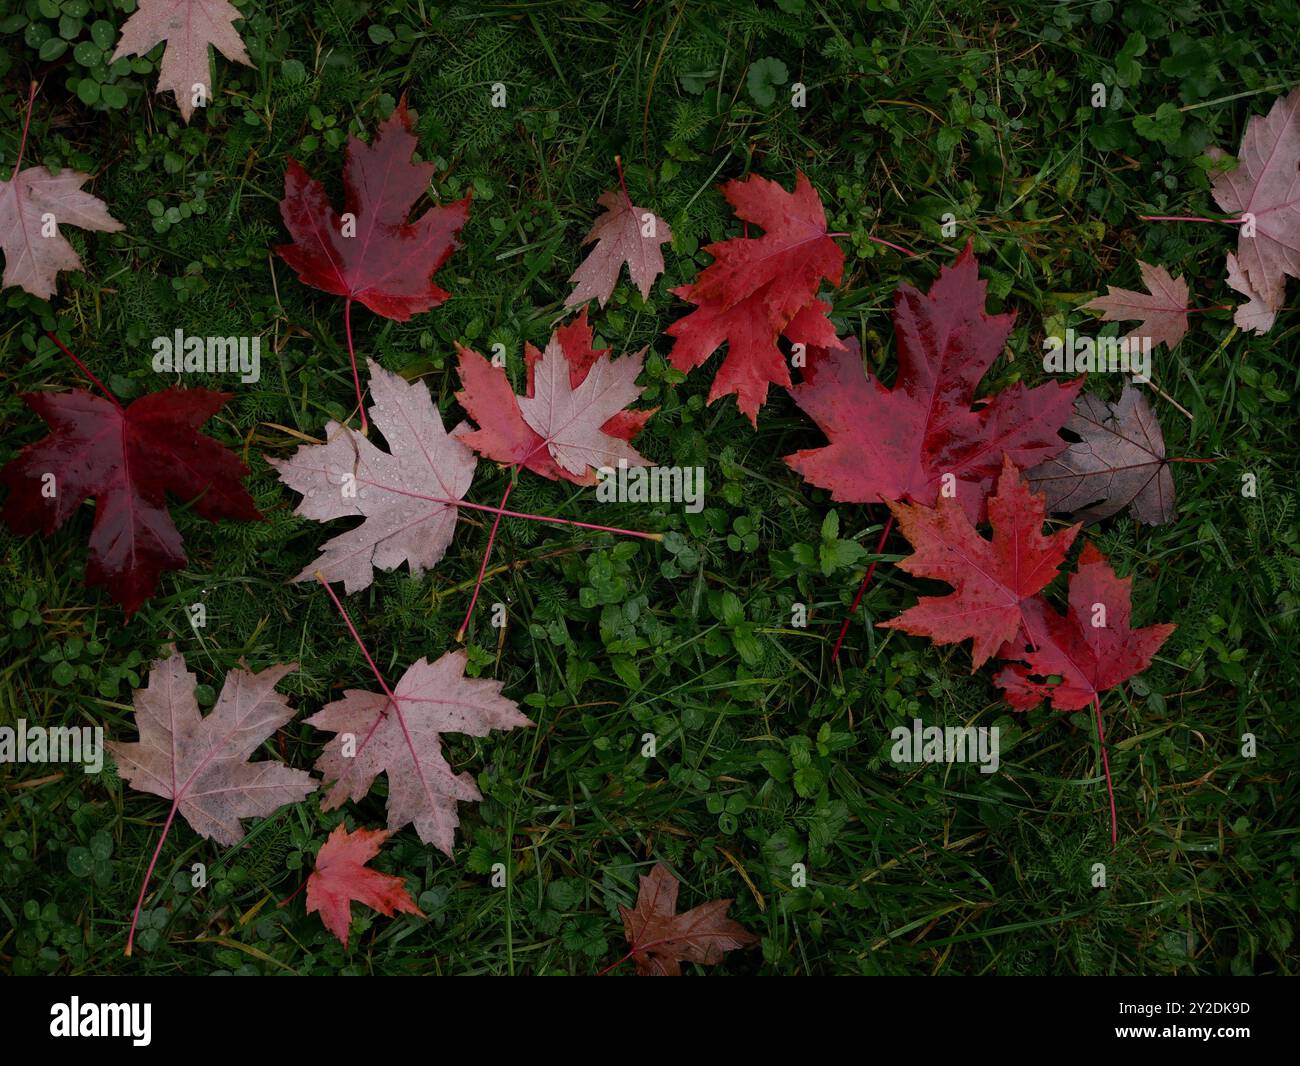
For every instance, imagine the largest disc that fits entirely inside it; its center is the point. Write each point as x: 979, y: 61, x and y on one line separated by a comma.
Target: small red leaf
x: 342, y: 876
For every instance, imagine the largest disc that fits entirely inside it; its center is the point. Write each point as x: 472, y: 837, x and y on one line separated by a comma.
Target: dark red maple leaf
x: 1091, y: 648
x: 127, y: 459
x: 502, y: 434
x: 388, y: 263
x: 991, y: 579
x: 661, y: 939
x: 899, y: 443
x: 759, y: 288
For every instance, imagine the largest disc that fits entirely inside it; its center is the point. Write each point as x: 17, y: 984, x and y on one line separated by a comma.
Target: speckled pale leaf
x: 32, y: 260
x: 396, y: 492
x: 188, y: 27
x: 405, y: 742
x: 1265, y: 183
x: 1254, y: 315
x: 627, y: 234
x: 570, y: 419
x: 201, y: 762
x: 1162, y: 310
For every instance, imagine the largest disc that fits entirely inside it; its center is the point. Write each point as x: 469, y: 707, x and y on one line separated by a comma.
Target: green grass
x: 767, y: 755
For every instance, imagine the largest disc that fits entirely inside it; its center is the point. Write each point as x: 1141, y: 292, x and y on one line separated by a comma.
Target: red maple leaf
x: 759, y: 288
x: 502, y: 434
x: 127, y: 459
x: 342, y: 876
x: 375, y: 256
x: 991, y: 579
x: 1091, y: 648
x: 898, y: 444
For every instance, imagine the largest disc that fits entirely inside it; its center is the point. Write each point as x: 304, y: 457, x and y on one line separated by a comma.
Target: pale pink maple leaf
x: 374, y: 736
x: 1254, y: 315
x: 398, y: 492
x: 188, y: 27
x: 623, y: 234
x: 1162, y: 310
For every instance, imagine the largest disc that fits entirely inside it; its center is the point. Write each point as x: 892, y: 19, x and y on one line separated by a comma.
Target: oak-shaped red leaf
x: 201, y: 763
x: 1162, y: 309
x: 661, y: 939
x: 1264, y: 185
x: 374, y: 255
x: 406, y: 495
x: 578, y: 423
x: 188, y: 27
x: 404, y: 740
x: 755, y: 288
x: 991, y: 580
x: 1090, y: 648
x: 127, y: 459
x: 909, y: 442
x: 342, y: 876
x: 624, y: 234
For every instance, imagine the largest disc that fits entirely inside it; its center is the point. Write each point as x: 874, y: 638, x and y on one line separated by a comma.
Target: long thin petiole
x: 866, y: 580
x: 352, y: 355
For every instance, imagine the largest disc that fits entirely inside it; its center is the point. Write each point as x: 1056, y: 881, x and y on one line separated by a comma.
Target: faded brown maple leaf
x: 1119, y: 461
x: 661, y: 939
x: 1162, y: 310
x: 624, y: 234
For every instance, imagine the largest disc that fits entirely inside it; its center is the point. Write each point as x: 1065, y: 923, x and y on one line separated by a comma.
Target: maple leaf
x: 621, y: 236
x: 384, y: 261
x: 188, y: 27
x: 127, y: 459
x: 201, y: 763
x: 1162, y: 309
x: 755, y: 288
x: 1118, y: 462
x: 894, y: 445
x: 403, y: 738
x: 342, y: 876
x: 579, y: 420
x: 1265, y: 185
x: 1091, y: 648
x: 406, y: 495
x: 661, y: 939
x: 991, y: 580
x: 33, y: 205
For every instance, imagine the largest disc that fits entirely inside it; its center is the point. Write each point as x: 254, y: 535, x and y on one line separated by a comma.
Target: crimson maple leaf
x: 905, y: 443
x: 127, y: 459
x: 378, y: 259
x: 585, y: 417
x: 991, y: 579
x: 758, y: 289
x: 342, y: 876
x: 1091, y: 648
x: 661, y: 939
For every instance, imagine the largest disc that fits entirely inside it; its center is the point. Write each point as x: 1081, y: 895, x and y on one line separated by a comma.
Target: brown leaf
x: 621, y: 237
x: 1265, y: 185
x: 661, y: 939
x: 1162, y: 309
x: 1120, y: 462
x: 405, y: 742
x: 188, y: 27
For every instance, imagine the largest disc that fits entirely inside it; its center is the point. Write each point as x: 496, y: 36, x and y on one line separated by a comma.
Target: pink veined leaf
x: 188, y: 27
x: 1162, y: 310
x: 399, y: 733
x: 624, y: 234
x: 201, y: 763
x: 1265, y: 185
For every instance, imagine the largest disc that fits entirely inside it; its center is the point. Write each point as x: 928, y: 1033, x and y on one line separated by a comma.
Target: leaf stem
x: 27, y: 121
x: 618, y: 162
x: 866, y: 580
x: 1105, y: 763
x: 352, y: 355
x: 1190, y: 218
x: 135, y: 917
x: 85, y: 370
x: 487, y: 552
